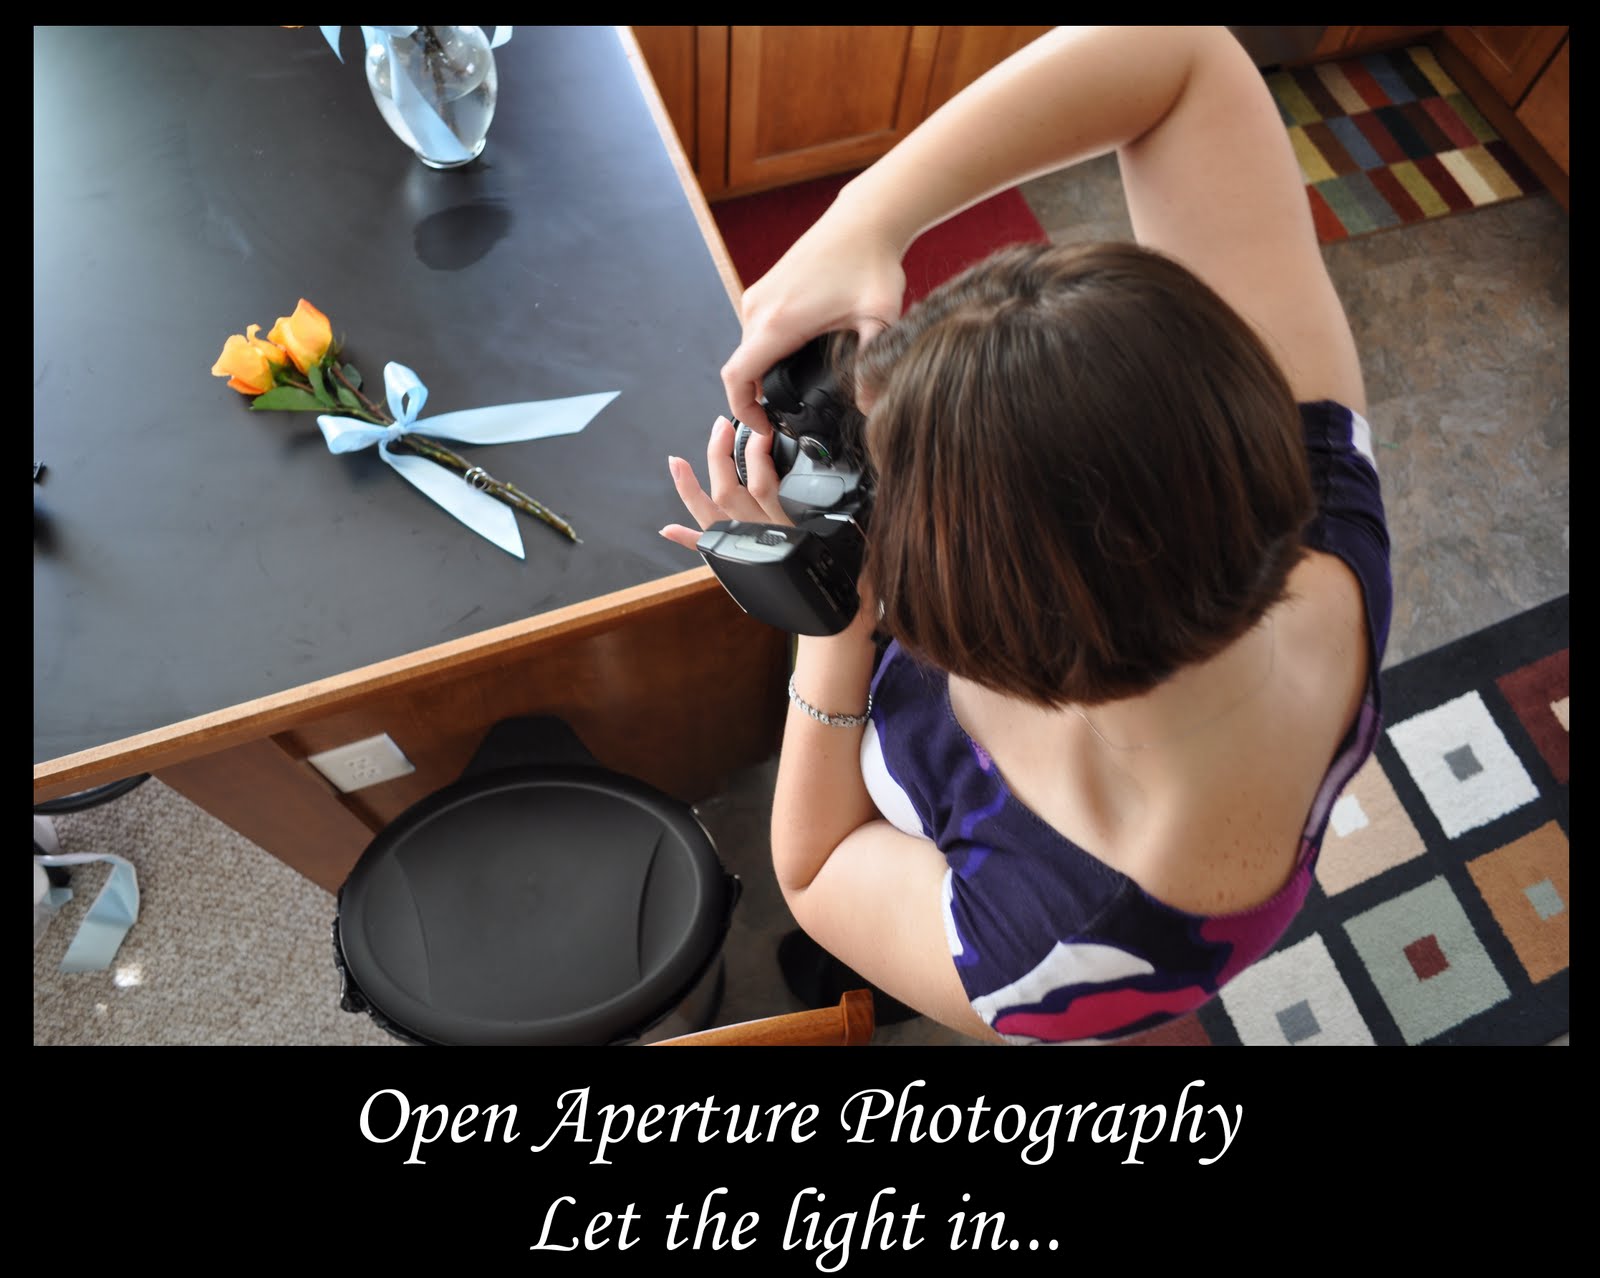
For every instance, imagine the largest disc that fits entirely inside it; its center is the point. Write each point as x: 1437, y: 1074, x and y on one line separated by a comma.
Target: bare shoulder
x: 1325, y: 625
x: 1228, y: 837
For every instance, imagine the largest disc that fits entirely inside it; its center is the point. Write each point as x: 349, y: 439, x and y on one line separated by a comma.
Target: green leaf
x: 352, y: 374
x: 291, y: 398
x: 320, y: 387
x: 347, y: 397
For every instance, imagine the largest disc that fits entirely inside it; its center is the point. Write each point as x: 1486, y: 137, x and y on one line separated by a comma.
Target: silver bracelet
x: 832, y: 720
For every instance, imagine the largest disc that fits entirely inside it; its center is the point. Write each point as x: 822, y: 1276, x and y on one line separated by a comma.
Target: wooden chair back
x: 850, y: 1024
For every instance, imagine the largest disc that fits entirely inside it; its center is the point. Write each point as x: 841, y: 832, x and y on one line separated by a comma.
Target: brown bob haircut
x: 1090, y: 473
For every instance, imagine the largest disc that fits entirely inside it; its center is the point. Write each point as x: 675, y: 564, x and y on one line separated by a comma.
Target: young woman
x: 1128, y: 544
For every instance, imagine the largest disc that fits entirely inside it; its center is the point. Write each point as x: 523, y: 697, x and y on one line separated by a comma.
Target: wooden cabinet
x: 1351, y: 42
x: 1510, y: 59
x: 760, y: 107
x: 1544, y: 109
x: 690, y: 68
x: 803, y: 101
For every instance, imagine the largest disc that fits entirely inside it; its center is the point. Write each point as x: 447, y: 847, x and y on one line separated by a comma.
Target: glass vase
x: 436, y: 88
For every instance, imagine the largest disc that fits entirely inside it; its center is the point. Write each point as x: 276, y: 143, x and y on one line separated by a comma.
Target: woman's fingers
x: 725, y: 486
x: 756, y: 353
x: 704, y: 510
x: 744, y: 392
x: 755, y: 500
x: 688, y: 538
x: 761, y: 476
x: 726, y: 490
x: 728, y: 498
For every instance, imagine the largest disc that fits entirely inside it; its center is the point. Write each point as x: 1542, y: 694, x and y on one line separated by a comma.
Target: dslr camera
x: 801, y: 578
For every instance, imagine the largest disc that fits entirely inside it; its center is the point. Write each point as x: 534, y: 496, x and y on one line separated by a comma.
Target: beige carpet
x: 231, y: 947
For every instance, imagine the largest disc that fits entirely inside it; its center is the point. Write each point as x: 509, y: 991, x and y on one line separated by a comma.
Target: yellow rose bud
x: 306, y: 335
x: 247, y: 362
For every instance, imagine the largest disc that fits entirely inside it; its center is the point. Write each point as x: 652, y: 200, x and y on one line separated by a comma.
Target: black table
x: 216, y: 595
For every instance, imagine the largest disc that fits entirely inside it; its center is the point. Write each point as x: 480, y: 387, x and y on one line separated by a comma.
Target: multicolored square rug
x: 1441, y: 910
x: 1390, y: 139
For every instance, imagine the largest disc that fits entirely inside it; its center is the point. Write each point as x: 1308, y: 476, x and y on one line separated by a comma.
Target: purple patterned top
x: 1052, y: 944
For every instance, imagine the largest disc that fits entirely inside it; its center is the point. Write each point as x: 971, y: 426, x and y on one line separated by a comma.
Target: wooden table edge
x: 251, y: 720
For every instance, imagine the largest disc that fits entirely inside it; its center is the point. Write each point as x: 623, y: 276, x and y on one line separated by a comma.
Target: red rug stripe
x: 1455, y: 128
x: 1362, y: 82
x: 1398, y: 197
x: 758, y: 229
x: 1329, y: 227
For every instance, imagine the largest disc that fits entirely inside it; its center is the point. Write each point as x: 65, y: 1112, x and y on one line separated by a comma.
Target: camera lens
x: 784, y: 452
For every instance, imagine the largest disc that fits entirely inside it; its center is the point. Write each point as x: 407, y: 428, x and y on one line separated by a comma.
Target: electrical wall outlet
x: 362, y: 763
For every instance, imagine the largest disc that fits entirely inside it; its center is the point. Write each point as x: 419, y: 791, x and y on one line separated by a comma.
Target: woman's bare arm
x: 1207, y: 168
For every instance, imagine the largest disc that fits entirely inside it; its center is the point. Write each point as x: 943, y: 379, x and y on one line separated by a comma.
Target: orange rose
x: 306, y: 335
x: 248, y: 362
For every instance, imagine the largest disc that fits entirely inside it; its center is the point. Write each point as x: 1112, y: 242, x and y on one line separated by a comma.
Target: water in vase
x: 447, y: 101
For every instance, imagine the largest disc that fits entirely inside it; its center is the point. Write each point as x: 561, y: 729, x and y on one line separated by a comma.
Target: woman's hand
x: 728, y: 499
x: 842, y: 274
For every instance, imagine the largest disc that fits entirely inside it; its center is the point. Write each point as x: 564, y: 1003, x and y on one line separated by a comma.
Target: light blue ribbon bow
x: 498, y: 424
x: 430, y: 135
x: 114, y: 911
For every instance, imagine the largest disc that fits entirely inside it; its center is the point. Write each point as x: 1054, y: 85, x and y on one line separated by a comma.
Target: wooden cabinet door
x: 1509, y: 58
x: 1350, y: 42
x: 965, y: 53
x: 805, y: 101
x: 669, y: 54
x: 690, y: 68
x: 1545, y: 110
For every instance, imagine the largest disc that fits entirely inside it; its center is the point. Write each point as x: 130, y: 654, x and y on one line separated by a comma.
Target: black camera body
x: 801, y: 578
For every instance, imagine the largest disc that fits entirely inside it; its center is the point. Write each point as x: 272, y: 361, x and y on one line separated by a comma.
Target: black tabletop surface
x: 190, y: 554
